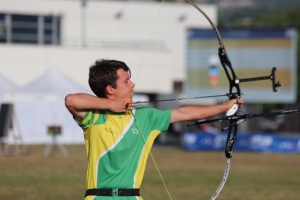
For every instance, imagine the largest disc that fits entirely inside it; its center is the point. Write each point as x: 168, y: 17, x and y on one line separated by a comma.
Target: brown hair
x: 103, y: 73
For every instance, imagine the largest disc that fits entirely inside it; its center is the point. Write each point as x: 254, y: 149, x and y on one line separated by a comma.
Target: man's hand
x: 231, y: 102
x: 120, y: 105
x: 235, y: 104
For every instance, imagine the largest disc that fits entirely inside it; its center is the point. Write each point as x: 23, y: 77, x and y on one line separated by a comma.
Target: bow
x: 233, y: 86
x: 234, y: 93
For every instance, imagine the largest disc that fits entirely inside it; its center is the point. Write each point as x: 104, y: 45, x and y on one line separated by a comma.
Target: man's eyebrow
x: 126, y: 79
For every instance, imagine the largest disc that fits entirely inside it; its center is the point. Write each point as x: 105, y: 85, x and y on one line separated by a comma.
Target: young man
x: 118, y: 137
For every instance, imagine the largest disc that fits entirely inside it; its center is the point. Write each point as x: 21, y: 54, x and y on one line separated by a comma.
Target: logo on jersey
x: 109, y: 130
x: 135, y: 130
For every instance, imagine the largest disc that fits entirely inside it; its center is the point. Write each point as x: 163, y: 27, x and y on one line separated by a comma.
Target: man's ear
x: 110, y: 90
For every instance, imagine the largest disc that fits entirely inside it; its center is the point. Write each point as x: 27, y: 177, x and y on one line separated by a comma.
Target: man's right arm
x: 77, y: 104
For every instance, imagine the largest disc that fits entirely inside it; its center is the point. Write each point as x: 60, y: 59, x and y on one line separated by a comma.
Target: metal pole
x: 8, y: 24
x: 41, y: 28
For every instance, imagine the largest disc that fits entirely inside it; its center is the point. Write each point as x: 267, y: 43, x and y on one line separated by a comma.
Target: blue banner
x: 238, y: 33
x: 257, y: 142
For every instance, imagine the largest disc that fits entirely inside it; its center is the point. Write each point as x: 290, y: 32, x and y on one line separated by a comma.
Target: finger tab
x: 129, y: 101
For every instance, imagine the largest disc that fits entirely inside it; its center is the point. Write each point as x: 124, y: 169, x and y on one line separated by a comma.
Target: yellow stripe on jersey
x: 143, y: 159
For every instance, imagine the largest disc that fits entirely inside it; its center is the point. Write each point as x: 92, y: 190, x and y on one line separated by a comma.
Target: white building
x: 37, y: 35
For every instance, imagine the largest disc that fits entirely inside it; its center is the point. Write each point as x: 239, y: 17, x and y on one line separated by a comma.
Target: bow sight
x: 271, y: 77
x: 234, y: 80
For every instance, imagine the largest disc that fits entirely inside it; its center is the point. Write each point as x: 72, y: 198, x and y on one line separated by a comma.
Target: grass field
x: 188, y: 175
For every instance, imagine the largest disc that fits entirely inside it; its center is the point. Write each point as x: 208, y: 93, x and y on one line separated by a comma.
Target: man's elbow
x: 70, y: 100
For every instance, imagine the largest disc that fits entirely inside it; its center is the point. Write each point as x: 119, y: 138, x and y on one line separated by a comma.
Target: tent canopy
x: 6, y: 85
x: 55, y: 82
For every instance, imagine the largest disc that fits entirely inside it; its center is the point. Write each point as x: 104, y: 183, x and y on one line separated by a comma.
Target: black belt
x: 112, y: 192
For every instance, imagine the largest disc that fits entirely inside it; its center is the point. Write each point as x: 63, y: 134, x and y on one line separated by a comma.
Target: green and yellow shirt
x: 118, y: 144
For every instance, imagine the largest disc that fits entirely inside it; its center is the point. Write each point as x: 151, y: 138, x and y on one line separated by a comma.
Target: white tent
x: 7, y: 87
x: 54, y: 82
x: 40, y: 104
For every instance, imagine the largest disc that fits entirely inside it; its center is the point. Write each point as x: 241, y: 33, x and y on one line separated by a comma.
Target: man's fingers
x: 239, y: 101
x: 128, y: 105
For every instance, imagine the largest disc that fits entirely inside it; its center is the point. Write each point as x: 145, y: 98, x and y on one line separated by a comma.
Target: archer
x: 118, y: 137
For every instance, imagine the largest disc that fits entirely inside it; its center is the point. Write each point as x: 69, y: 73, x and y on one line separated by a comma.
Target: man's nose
x: 132, y: 84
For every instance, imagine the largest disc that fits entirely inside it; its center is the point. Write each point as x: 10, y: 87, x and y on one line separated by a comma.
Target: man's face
x: 124, y: 86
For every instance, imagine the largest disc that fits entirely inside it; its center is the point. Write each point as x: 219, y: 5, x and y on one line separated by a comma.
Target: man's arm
x: 77, y: 104
x: 188, y: 113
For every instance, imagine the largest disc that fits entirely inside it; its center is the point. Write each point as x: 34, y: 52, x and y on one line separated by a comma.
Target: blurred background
x: 47, y: 47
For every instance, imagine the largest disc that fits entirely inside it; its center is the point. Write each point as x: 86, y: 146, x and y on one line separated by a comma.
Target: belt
x: 112, y: 192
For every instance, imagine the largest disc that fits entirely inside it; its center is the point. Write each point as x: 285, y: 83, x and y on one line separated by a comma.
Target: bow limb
x: 234, y: 92
x: 211, y: 23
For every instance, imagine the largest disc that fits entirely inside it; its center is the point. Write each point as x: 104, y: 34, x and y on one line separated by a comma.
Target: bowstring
x: 149, y: 41
x: 138, y: 75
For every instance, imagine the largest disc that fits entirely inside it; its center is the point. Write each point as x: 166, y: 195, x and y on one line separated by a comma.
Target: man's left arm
x: 188, y: 113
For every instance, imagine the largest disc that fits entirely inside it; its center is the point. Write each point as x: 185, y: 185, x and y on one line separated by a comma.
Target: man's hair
x: 103, y: 73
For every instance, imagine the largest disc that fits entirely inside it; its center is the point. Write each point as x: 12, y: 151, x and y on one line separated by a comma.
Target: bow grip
x: 232, y: 110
